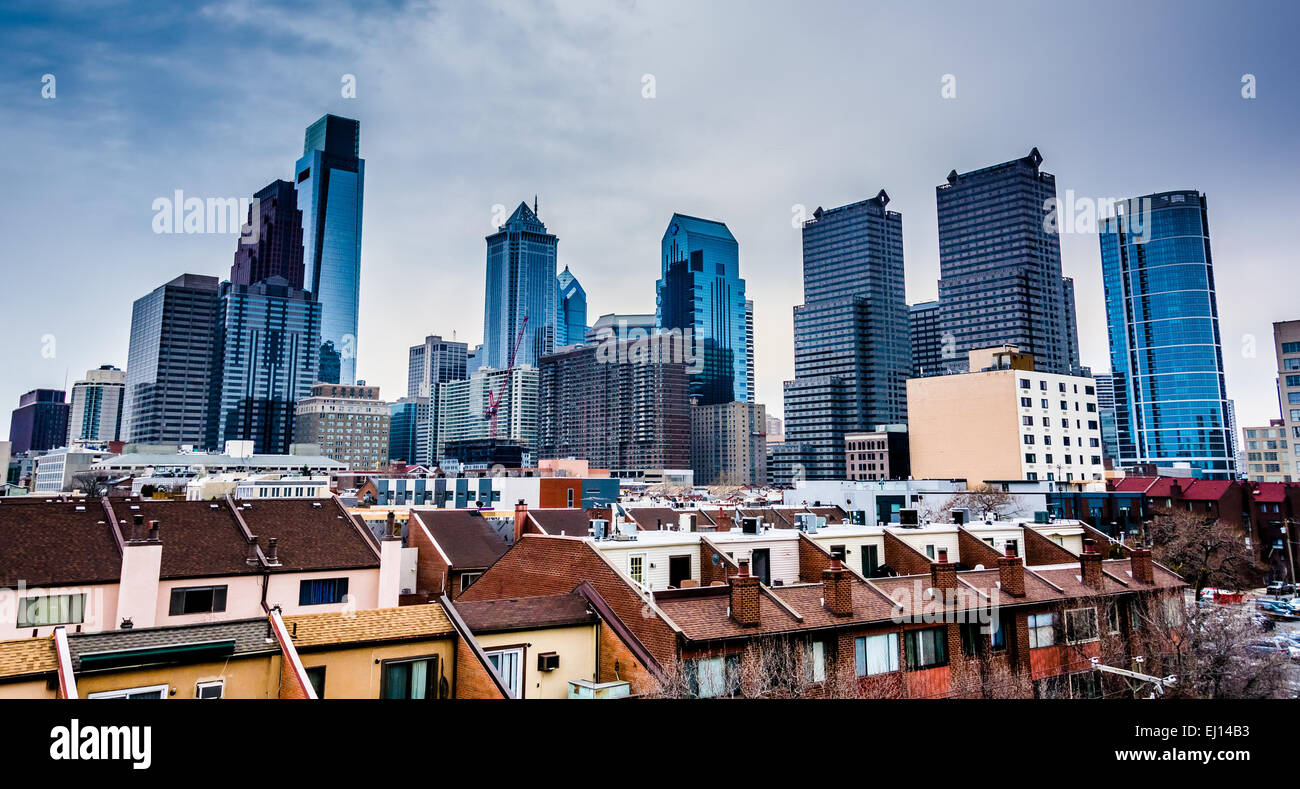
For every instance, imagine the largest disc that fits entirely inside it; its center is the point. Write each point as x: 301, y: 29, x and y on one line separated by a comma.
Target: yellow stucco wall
x: 576, y: 647
x: 246, y: 678
x: 357, y: 672
x: 28, y: 689
x: 964, y: 427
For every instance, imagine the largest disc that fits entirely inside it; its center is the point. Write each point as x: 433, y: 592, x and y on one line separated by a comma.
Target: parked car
x: 1212, y: 594
x: 1276, y: 645
x: 1276, y: 608
x: 1279, y: 588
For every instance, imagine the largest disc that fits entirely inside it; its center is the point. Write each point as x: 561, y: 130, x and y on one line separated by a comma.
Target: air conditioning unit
x: 548, y: 661
x: 751, y: 525
x: 961, y: 516
x: 1042, y: 516
x: 598, y: 528
x: 805, y: 521
x: 908, y: 518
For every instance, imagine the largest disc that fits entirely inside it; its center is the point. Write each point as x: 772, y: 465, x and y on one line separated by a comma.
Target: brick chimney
x: 943, y: 573
x: 252, y: 559
x: 1140, y: 563
x: 137, y: 527
x: 1090, y: 562
x: 389, y: 525
x: 837, y: 589
x: 1011, y: 572
x: 273, y: 551
x: 521, y: 517
x: 744, y: 596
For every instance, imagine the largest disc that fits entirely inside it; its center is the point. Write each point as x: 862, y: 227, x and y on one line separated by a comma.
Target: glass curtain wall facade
x: 572, y: 310
x: 700, y: 292
x: 330, y: 182
x: 521, y: 283
x: 1171, y: 403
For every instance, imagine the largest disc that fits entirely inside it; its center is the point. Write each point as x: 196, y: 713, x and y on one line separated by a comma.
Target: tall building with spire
x: 330, y: 179
x: 276, y: 248
x: 571, y: 313
x: 521, y: 293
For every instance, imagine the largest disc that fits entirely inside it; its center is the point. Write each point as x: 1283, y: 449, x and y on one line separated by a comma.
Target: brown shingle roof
x: 702, y: 614
x: 464, y: 536
x: 54, y: 544
x: 656, y: 518
x: 310, y: 538
x: 383, y: 624
x: 27, y: 656
x: 525, y: 613
x: 570, y: 522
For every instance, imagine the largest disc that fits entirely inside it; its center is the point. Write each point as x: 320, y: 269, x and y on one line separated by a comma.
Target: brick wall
x: 618, y: 663
x: 472, y: 679
x: 975, y: 551
x: 903, y: 559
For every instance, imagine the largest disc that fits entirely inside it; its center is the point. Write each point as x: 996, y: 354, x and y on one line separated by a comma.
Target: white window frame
x: 633, y: 574
x: 219, y: 684
x: 123, y: 693
x: 1034, y: 626
x: 515, y: 682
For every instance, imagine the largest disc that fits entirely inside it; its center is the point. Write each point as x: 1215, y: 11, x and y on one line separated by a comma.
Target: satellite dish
x: 717, y: 560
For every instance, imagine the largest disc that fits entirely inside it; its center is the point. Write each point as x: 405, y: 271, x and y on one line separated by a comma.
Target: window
x: 1024, y: 383
x: 410, y: 679
x: 55, y: 609
x: 1000, y: 627
x: 322, y: 591
x: 1085, y: 685
x: 876, y: 654
x: 467, y: 579
x: 197, y: 600
x: 1026, y: 402
x: 316, y: 676
x: 712, y: 677
x: 210, y: 690
x: 1042, y: 630
x: 636, y: 567
x: 1112, y: 617
x: 1081, y: 625
x: 814, y: 661
x: 151, y: 692
x: 926, y: 648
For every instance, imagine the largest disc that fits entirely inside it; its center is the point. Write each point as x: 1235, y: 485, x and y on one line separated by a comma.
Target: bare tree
x: 769, y: 667
x: 1203, y: 551
x: 92, y: 483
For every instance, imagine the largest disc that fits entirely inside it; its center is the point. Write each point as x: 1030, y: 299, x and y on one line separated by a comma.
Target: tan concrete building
x: 729, y: 444
x: 1286, y: 341
x: 1004, y: 421
x: 876, y: 455
x: 1268, y: 457
x: 349, y: 423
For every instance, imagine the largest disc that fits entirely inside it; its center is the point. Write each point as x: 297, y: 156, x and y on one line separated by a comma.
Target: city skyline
x: 608, y: 184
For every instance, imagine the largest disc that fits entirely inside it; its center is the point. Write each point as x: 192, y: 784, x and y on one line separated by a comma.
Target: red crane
x: 494, y: 398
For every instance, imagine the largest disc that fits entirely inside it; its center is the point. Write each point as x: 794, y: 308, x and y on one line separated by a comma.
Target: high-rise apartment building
x: 409, y: 426
x: 348, y: 422
x: 1000, y: 276
x: 521, y: 297
x: 432, y: 362
x: 96, y: 409
x: 40, y: 422
x: 926, y: 329
x: 1286, y: 347
x: 1106, y: 412
x: 852, y: 341
x: 276, y: 249
x: 330, y: 179
x: 169, y: 362
x: 1171, y: 402
x: 1268, y: 454
x: 264, y: 361
x: 701, y: 295
x: 729, y: 444
x: 571, y: 311
x: 621, y: 405
x: 463, y: 416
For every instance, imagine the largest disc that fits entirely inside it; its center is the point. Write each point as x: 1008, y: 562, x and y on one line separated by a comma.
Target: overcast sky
x: 757, y: 107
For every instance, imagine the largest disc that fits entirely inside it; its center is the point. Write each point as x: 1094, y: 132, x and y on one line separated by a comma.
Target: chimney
x: 744, y: 596
x: 521, y: 517
x: 1140, y: 563
x: 1090, y: 562
x: 943, y: 573
x: 1011, y: 572
x: 272, y: 550
x: 251, y: 559
x: 837, y: 589
x: 137, y: 527
x: 153, y: 531
x: 389, y: 525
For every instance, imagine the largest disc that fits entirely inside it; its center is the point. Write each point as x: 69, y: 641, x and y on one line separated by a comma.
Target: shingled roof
x: 56, y: 544
x: 463, y: 536
x: 569, y: 522
x: 366, y: 626
x: 526, y: 613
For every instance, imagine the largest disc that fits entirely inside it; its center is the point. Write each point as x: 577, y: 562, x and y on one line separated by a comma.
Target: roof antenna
x: 534, y: 205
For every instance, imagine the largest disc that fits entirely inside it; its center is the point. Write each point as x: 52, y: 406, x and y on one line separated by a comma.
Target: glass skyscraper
x: 700, y: 291
x: 263, y: 362
x: 852, y: 341
x: 571, y: 314
x: 521, y: 283
x: 1000, y: 276
x: 330, y: 181
x: 1171, y: 403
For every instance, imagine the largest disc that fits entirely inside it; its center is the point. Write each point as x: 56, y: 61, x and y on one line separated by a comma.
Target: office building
x: 330, y: 179
x: 1000, y: 276
x: 276, y: 249
x: 701, y: 296
x: 348, y: 422
x: 264, y: 361
x: 432, y: 362
x: 618, y: 405
x: 1106, y: 412
x: 1286, y: 347
x: 463, y: 417
x: 622, y: 326
x: 729, y: 444
x: 928, y: 346
x: 169, y: 362
x: 852, y: 342
x: 877, y: 455
x: 521, y: 296
x: 410, y: 423
x: 95, y: 416
x: 1171, y: 402
x: 1003, y: 421
x: 40, y: 422
x: 1268, y: 454
x: 57, y: 471
x: 571, y: 311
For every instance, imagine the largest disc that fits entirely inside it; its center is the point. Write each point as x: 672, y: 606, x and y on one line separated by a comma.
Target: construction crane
x: 494, y: 398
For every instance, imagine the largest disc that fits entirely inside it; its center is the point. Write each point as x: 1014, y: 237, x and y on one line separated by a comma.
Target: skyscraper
x: 432, y: 362
x: 1171, y: 403
x: 924, y: 324
x: 852, y: 343
x: 521, y: 291
x: 277, y: 251
x: 169, y: 362
x: 750, y: 383
x: 1000, y: 277
x: 40, y: 422
x: 1106, y: 415
x: 571, y: 313
x: 1286, y: 346
x: 700, y: 292
x: 410, y: 419
x: 96, y: 413
x: 330, y: 181
x: 264, y: 361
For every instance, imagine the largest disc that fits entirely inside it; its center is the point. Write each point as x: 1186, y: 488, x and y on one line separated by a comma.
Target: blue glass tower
x: 1171, y: 403
x: 330, y: 180
x: 521, y: 284
x: 700, y: 291
x: 572, y: 310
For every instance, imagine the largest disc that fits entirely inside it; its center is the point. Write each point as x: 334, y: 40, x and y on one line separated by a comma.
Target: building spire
x: 534, y: 205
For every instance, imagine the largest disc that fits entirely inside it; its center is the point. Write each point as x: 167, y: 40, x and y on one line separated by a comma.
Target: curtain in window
x: 876, y: 654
